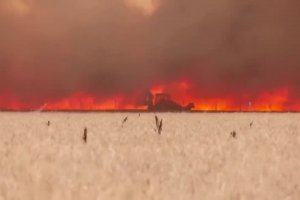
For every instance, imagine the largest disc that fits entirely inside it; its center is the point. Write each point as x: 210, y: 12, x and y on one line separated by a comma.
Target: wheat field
x: 196, y: 156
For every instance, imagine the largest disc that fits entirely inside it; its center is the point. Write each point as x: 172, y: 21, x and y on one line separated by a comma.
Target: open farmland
x: 197, y: 156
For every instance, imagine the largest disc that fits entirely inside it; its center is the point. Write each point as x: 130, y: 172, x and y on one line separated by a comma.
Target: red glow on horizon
x: 277, y: 100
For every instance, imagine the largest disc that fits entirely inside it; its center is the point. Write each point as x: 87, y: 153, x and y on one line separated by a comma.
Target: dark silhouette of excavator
x: 163, y: 102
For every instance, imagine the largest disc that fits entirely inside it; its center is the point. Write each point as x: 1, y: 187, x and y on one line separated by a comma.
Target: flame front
x: 277, y: 100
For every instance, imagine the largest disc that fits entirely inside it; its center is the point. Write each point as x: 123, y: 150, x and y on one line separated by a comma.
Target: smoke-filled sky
x: 50, y: 49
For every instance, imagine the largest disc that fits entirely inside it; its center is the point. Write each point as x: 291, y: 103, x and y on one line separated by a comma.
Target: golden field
x: 195, y: 157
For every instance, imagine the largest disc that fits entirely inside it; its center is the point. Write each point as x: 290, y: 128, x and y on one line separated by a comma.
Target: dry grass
x: 195, y: 157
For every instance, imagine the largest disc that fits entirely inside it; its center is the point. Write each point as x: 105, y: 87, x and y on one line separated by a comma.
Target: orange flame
x: 277, y: 100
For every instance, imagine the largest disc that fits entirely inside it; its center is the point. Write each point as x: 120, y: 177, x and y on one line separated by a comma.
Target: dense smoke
x: 50, y: 49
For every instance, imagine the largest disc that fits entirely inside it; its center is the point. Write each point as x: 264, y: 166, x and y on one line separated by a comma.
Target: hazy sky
x: 53, y: 48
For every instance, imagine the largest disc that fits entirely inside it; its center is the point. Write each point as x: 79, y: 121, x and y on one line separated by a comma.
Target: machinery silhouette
x: 163, y: 102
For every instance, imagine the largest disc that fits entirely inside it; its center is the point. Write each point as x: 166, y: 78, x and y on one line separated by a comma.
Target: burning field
x: 194, y: 58
x: 125, y: 156
x: 107, y: 55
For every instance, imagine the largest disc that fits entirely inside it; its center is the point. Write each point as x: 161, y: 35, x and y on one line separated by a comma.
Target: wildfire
x: 84, y: 102
x: 277, y: 100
